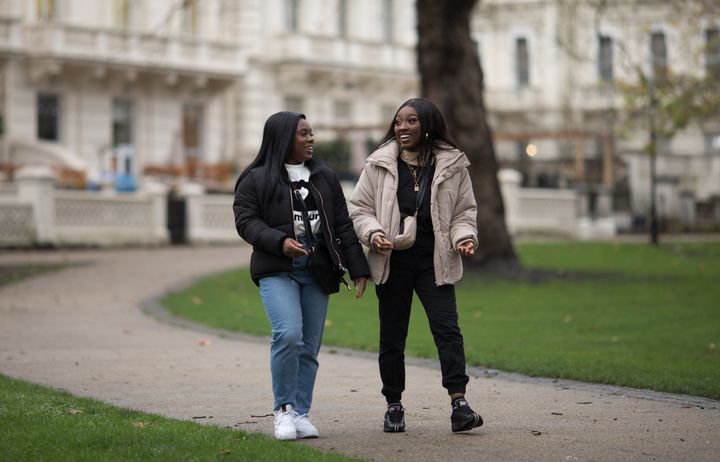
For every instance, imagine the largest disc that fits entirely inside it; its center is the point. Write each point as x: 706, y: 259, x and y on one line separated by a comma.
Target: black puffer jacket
x: 263, y: 218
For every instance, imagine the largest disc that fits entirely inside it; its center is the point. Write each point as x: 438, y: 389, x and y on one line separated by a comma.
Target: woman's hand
x: 360, y: 284
x: 381, y: 244
x: 466, y: 248
x: 293, y: 248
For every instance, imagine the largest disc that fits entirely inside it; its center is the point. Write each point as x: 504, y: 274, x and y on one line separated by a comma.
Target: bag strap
x: 308, y: 230
x: 306, y: 218
x: 424, y: 182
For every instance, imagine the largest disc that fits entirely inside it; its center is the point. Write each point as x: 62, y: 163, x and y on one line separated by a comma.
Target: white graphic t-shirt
x: 299, y: 176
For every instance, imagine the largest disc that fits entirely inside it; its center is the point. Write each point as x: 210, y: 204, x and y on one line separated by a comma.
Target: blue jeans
x: 296, y: 308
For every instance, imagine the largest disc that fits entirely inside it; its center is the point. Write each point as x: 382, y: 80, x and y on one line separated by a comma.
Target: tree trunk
x: 452, y: 78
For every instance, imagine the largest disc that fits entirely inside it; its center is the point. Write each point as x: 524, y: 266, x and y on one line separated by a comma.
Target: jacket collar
x: 447, y: 158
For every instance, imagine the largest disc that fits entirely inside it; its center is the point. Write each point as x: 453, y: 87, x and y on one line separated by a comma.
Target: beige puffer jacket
x: 374, y: 208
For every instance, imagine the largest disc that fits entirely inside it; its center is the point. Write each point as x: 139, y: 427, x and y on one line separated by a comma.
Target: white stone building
x: 118, y: 88
x: 552, y: 70
x: 347, y: 64
x: 130, y: 87
x: 112, y: 88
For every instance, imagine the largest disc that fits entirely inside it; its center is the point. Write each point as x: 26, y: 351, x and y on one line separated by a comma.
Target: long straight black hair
x: 277, y: 144
x: 432, y: 127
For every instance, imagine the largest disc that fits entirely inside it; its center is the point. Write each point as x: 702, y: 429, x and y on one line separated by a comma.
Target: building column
x: 36, y: 186
x: 580, y: 159
x: 510, y: 180
x: 608, y: 166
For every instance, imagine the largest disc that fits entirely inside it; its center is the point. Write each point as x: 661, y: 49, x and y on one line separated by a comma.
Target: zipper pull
x: 345, y: 282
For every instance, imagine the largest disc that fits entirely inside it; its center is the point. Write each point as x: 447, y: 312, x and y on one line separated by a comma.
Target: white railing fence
x: 35, y: 213
x: 209, y: 216
x: 41, y: 215
x: 534, y: 211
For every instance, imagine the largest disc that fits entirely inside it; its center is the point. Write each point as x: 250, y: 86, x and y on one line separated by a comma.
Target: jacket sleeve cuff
x: 280, y: 244
x: 465, y: 239
x: 372, y: 234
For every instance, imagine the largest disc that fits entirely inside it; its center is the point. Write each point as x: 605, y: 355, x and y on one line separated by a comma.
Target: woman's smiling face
x: 407, y: 128
x: 304, y: 143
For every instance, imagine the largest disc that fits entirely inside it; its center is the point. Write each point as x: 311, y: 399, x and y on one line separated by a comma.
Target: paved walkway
x: 82, y: 329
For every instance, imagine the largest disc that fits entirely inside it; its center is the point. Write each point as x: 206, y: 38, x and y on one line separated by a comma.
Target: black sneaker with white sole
x: 463, y: 418
x: 394, y: 419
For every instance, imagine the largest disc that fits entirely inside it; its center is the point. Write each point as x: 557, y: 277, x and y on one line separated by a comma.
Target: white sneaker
x: 305, y: 428
x: 285, y: 423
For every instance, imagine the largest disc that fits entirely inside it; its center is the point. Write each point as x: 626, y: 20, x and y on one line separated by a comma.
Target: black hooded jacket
x: 263, y: 218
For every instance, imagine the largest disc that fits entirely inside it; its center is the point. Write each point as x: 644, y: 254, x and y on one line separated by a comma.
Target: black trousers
x: 413, y: 270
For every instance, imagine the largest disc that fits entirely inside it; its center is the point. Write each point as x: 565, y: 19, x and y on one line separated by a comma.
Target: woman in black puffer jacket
x: 287, y: 205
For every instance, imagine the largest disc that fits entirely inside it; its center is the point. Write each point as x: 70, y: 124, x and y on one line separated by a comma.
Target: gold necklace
x: 409, y: 157
x: 416, y: 173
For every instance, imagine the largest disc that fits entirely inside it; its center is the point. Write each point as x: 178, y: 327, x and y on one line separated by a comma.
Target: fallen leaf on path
x: 204, y: 342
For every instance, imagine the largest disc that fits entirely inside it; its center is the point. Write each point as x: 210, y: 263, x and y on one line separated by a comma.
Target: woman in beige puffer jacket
x: 374, y: 208
x: 418, y: 164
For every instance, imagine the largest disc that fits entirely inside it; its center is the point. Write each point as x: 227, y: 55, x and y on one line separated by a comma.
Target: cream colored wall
x: 19, y: 117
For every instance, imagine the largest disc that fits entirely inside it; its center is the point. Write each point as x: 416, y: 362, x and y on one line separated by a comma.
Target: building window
x: 712, y: 53
x: 663, y: 145
x: 46, y: 9
x: 387, y: 112
x: 192, y: 130
x: 48, y: 117
x: 712, y: 143
x: 605, y: 59
x: 122, y: 137
x: 387, y: 20
x: 342, y: 17
x: 478, y: 48
x: 294, y: 103
x: 343, y: 111
x: 121, y: 14
x: 658, y: 53
x: 189, y: 18
x: 292, y: 15
x: 522, y: 62
x: 122, y: 117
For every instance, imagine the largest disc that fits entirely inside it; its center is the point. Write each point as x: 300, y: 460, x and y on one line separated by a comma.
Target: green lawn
x: 14, y: 273
x: 624, y: 314
x: 39, y: 424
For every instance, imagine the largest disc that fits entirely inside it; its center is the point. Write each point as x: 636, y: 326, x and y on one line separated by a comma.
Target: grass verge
x: 40, y: 424
x: 623, y: 314
x: 13, y: 273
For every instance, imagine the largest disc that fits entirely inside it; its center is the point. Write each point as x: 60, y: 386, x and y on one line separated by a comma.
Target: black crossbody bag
x: 320, y: 265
